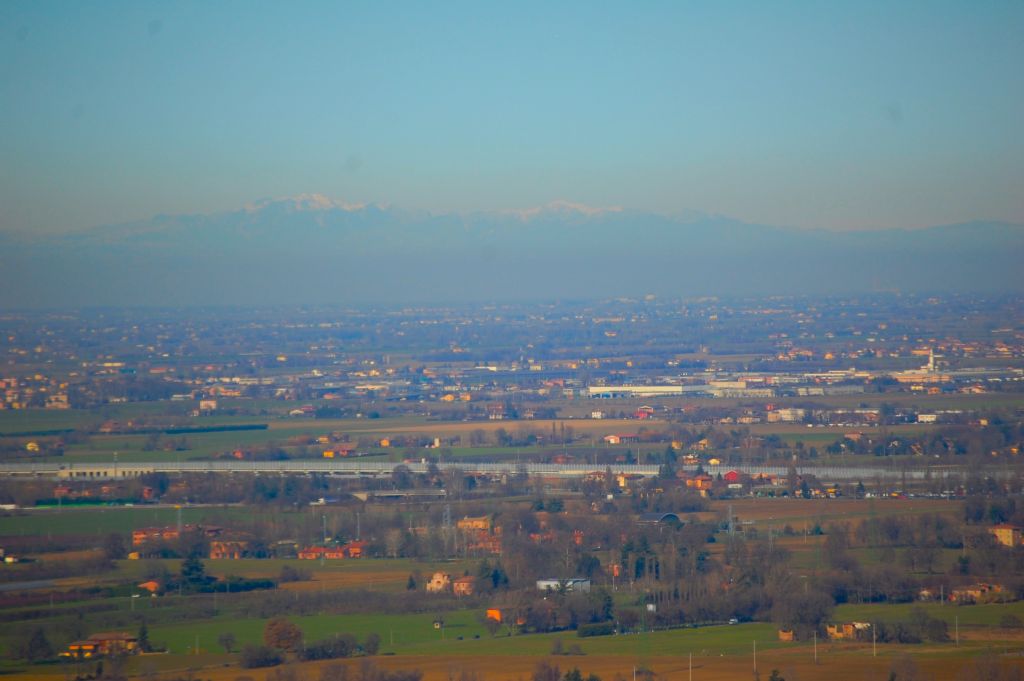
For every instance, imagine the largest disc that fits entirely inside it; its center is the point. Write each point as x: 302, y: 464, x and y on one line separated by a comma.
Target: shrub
x: 280, y: 633
x: 259, y: 656
x: 292, y: 574
x: 597, y: 629
x: 1010, y: 622
x: 372, y: 644
x: 341, y: 645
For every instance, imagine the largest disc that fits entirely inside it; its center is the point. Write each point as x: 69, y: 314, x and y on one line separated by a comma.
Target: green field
x: 414, y: 634
x: 29, y: 420
x: 103, y: 519
x: 463, y: 634
x: 985, y: 615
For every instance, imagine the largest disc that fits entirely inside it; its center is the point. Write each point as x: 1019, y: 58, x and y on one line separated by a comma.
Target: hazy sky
x: 831, y: 114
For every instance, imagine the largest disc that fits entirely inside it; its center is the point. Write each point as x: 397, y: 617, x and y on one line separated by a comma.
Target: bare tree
x: 226, y: 640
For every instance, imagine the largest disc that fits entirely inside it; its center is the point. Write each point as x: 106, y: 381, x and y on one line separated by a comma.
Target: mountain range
x: 312, y: 249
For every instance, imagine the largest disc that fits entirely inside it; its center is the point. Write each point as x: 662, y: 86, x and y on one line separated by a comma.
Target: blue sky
x: 843, y: 115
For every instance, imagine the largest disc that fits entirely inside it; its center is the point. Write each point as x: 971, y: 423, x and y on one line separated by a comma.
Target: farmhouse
x: 340, y: 450
x: 463, y: 586
x: 482, y: 522
x: 170, y: 533
x: 325, y: 552
x: 978, y: 593
x: 620, y: 438
x: 846, y: 631
x: 700, y: 482
x: 439, y: 582
x: 152, y: 534
x: 108, y: 643
x: 353, y: 549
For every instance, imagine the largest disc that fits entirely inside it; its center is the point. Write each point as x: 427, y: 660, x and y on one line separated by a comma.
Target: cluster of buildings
x: 442, y: 582
x: 234, y: 548
x: 352, y: 549
x: 798, y: 346
x: 34, y: 391
x: 171, y: 533
x: 798, y: 363
x: 843, y: 631
x: 480, y: 535
x: 102, y: 645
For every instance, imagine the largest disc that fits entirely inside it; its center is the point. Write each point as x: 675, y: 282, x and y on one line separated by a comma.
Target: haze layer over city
x: 420, y: 342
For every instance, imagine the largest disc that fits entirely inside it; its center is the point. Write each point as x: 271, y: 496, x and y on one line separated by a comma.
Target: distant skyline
x: 860, y: 115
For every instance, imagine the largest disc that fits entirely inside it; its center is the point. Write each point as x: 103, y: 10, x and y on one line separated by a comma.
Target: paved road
x: 27, y: 586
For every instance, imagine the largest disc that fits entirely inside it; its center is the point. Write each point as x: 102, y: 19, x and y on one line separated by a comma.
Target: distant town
x: 324, y: 492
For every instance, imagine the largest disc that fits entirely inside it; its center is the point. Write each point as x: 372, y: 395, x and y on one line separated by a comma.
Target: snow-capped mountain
x: 317, y: 249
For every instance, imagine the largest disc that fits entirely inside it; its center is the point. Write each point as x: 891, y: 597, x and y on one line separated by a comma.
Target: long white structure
x: 636, y: 390
x: 115, y: 471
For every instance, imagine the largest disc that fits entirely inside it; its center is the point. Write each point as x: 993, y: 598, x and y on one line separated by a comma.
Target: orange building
x: 152, y: 534
x: 1006, y: 534
x: 482, y: 522
x: 353, y: 549
x: 318, y: 552
x: 108, y: 643
x: 463, y: 586
x: 228, y: 550
x: 700, y: 482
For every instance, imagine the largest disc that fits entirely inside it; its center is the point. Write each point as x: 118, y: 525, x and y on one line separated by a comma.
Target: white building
x: 574, y: 585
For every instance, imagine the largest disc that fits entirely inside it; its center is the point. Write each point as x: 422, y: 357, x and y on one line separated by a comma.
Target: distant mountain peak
x: 563, y: 207
x: 304, y: 203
